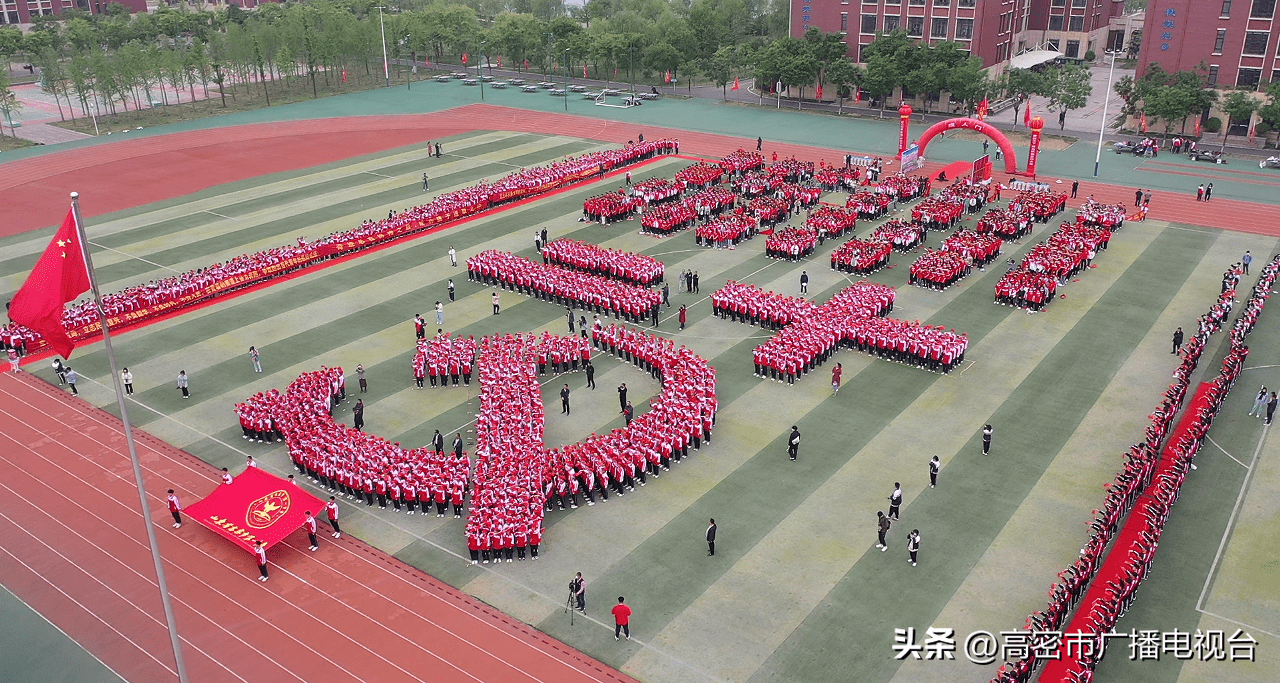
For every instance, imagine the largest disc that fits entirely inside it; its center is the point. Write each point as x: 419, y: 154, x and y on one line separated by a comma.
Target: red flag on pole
x: 983, y: 108
x: 59, y: 276
x: 526, y: 64
x: 428, y: 60
x: 1026, y: 115
x: 1197, y: 126
x: 1144, y: 122
x: 499, y: 61
x: 667, y: 76
x: 857, y: 95
x: 464, y: 58
x: 615, y: 73
x: 819, y: 92
x: 735, y: 83
x: 584, y: 70
x: 344, y: 74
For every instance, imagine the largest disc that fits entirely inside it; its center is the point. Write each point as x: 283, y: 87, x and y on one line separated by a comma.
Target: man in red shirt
x: 621, y: 617
x: 835, y: 378
x: 332, y: 509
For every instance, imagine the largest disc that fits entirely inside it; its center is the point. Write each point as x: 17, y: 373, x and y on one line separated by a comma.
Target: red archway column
x: 1006, y: 147
x: 904, y: 112
x: 1033, y: 154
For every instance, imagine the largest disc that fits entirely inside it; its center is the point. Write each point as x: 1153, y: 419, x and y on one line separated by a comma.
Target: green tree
x: 1239, y: 107
x: 844, y: 75
x: 888, y: 58
x: 1069, y: 88
x: 9, y: 102
x: 1021, y: 85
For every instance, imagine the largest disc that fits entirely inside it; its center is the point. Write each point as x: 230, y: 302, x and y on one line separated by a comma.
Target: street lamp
x: 480, y: 67
x: 413, y: 60
x: 386, y: 67
x: 1097, y: 160
x: 566, y: 79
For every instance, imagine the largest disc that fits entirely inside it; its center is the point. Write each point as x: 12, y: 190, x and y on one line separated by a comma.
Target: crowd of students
x: 752, y: 305
x: 980, y: 249
x: 159, y: 297
x: 769, y: 210
x: 613, y: 263
x: 444, y: 358
x: 832, y: 221
x: 1109, y: 216
x: 741, y: 161
x: 608, y: 207
x: 1040, y: 205
x: 1006, y: 223
x: 938, y: 269
x: 726, y: 231
x: 1050, y: 264
x: 904, y: 187
x: 667, y: 218
x: 938, y: 212
x: 563, y: 287
x: 655, y: 190
x: 861, y: 257
x: 698, y: 175
x: 868, y: 204
x: 792, y: 170
x: 839, y: 179
x: 1094, y: 591
x: 755, y: 184
x: 791, y: 244
x: 902, y: 235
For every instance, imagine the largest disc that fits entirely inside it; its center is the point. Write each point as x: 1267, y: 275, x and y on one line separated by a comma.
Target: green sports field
x: 796, y: 591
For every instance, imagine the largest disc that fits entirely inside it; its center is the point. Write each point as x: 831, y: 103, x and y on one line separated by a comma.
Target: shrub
x: 1213, y: 125
x: 1090, y: 56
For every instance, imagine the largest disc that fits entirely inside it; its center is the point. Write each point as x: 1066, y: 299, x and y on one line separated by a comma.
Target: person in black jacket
x: 357, y: 415
x: 437, y: 443
x: 793, y: 442
x: 591, y: 373
x: 882, y: 531
x: 1177, y: 340
x: 564, y: 400
x: 622, y: 398
x: 457, y: 445
x: 986, y: 439
x: 711, y: 537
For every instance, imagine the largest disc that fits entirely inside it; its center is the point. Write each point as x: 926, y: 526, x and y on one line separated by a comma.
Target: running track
x: 121, y: 175
x: 75, y: 550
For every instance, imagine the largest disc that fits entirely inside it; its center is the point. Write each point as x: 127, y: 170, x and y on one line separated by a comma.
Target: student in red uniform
x: 260, y: 553
x: 311, y: 532
x: 175, y: 509
x: 621, y: 616
x: 836, y: 373
x: 331, y: 508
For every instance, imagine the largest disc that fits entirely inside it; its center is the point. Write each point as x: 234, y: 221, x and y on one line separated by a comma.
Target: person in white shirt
x: 250, y: 462
x: 126, y: 378
x: 260, y: 554
x: 453, y: 257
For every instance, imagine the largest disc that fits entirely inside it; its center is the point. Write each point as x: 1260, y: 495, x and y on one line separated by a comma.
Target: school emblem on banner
x: 266, y: 510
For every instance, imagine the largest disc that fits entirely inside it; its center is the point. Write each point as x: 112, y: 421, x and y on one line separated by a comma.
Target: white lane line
x: 1224, y: 452
x: 1231, y: 522
x: 220, y: 215
x: 138, y: 258
x: 377, y: 174
x: 1251, y: 627
x: 55, y: 626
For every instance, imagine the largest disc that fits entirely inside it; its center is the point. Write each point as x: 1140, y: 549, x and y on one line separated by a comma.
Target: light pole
x: 631, y: 66
x: 566, y: 79
x: 1097, y: 160
x: 413, y: 61
x: 386, y: 67
x: 480, y: 68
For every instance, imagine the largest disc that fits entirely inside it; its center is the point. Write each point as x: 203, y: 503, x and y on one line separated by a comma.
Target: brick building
x: 994, y: 30
x: 1236, y: 40
x: 15, y: 12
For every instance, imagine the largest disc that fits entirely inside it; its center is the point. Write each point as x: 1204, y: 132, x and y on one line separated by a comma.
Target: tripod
x: 569, y: 605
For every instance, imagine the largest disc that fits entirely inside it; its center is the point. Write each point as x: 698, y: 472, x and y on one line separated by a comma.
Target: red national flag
x: 499, y: 62
x: 58, y: 277
x: 1197, y: 126
x: 857, y: 95
x: 584, y: 70
x: 526, y: 64
x: 615, y: 73
x: 1253, y: 130
x: 1026, y: 115
x: 344, y: 74
x: 735, y: 83
x: 983, y: 108
x: 464, y: 58
x: 428, y: 60
x: 256, y: 506
x: 1144, y: 122
x: 819, y: 92
x: 667, y: 76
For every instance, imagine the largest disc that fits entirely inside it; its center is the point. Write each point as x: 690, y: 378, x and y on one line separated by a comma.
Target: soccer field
x: 797, y: 591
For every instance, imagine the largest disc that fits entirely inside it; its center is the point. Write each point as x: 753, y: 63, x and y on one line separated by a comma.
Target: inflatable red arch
x: 1006, y: 147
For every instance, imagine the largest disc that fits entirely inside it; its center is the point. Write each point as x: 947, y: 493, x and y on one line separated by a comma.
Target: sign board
x: 911, y: 159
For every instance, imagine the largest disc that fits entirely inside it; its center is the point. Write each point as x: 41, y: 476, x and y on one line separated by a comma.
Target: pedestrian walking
x: 72, y: 378
x: 497, y: 302
x: 1271, y: 407
x: 175, y: 509
x: 1137, y: 197
x: 357, y: 414
x: 183, y: 384
x: 711, y: 537
x: 260, y: 554
x: 1200, y: 193
x: 895, y: 500
x: 985, y: 145
x: 331, y: 509
x: 759, y: 144
x: 913, y: 545
x: 986, y: 439
x: 1142, y: 213
x: 439, y: 313
x: 1245, y: 261
x: 364, y: 384
x: 126, y: 378
x: 452, y: 290
x: 1259, y: 403
x: 804, y: 282
x: 14, y: 360
x: 793, y: 443
x: 628, y: 413
x: 1146, y: 198
x: 684, y: 315
x: 1177, y: 340
x: 578, y: 587
x: 1208, y: 191
x: 59, y: 370
x: 425, y: 184
x: 666, y: 294
x: 934, y: 466
x: 256, y: 358
x: 310, y: 523
x: 836, y: 373
x: 569, y: 315
x: 695, y: 282
x: 621, y: 619
x: 453, y: 256
x: 882, y: 531
x: 591, y: 374
x: 227, y: 479
x: 622, y: 398
x: 438, y: 150
x: 564, y: 400
x: 1075, y: 187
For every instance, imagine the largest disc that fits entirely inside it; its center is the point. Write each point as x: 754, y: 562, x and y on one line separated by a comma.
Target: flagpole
x: 133, y: 449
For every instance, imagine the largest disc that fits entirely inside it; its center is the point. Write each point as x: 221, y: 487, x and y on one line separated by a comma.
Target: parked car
x: 1269, y: 162
x: 1206, y: 155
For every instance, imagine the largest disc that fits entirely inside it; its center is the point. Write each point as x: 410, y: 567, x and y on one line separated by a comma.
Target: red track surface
x: 121, y: 175
x: 347, y: 612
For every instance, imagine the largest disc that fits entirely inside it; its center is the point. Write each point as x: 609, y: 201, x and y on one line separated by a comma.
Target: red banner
x: 256, y: 506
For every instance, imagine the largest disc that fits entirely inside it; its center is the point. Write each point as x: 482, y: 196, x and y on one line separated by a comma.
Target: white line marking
x: 1239, y: 623
x: 377, y: 174
x: 1235, y: 511
x: 1224, y: 452
x: 220, y: 215
x: 1260, y: 367
x: 138, y: 258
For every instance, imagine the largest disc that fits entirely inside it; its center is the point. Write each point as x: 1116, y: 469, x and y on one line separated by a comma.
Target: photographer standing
x: 578, y: 592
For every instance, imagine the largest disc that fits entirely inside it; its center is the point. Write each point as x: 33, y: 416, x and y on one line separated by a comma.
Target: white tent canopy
x: 1026, y: 60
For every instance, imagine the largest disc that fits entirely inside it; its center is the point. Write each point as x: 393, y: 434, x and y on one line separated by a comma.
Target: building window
x: 1076, y: 24
x: 1213, y: 75
x: 1217, y: 44
x: 1226, y: 9
x: 1051, y: 44
x: 964, y: 29
x: 916, y: 3
x: 939, y: 28
x: 868, y: 23
x: 941, y: 3
x: 1073, y: 49
x: 1255, y: 43
x: 1275, y: 75
x: 1079, y: 3
x: 892, y: 23
x: 915, y: 27
x: 1059, y: 3
x: 967, y: 3
x: 1263, y: 9
x: 844, y: 22
x: 1248, y: 78
x: 893, y: 2
x: 1055, y: 22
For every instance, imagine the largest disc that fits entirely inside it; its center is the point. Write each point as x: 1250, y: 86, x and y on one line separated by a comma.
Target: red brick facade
x: 14, y: 12
x: 1238, y: 40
